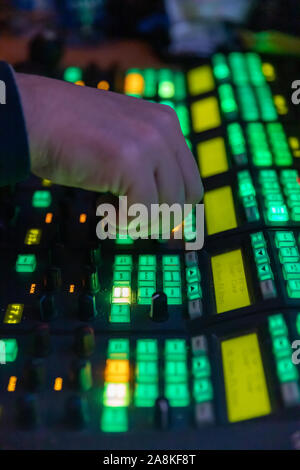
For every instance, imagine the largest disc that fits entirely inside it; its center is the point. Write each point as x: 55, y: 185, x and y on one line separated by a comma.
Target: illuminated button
x: 8, y: 350
x: 176, y: 371
x: 146, y: 279
x: 258, y: 240
x: 202, y: 390
x: 192, y: 274
x: 120, y: 313
x: 172, y: 278
x: 264, y: 272
x: 122, y: 278
x: 175, y: 349
x: 268, y: 71
x: 212, y: 157
x: 266, y: 104
x: 220, y: 68
x: 228, y: 272
x: 123, y: 262
x: 248, y: 107
x: 291, y: 271
x: 13, y: 313
x: 123, y: 239
x: 147, y: 262
x: 180, y: 86
x: 295, y: 214
x: 116, y: 394
x: 286, y: 370
x: 288, y: 254
x: 145, y: 295
x: 145, y: 394
x: 284, y: 239
x: 277, y: 325
x: 205, y: 114
x: 281, y: 346
x: 166, y: 89
x: 171, y: 261
x: 200, y: 80
x: 293, y: 200
x: 72, y: 74
x: 237, y: 143
x: 194, y: 291
x: 184, y: 118
x: 278, y: 214
x: 238, y: 67
x: 26, y: 263
x: 41, y: 199
x: 242, y: 360
x: 195, y: 308
x: 174, y: 295
x: 219, y: 210
x: 116, y: 371
x: 33, y: 236
x: 146, y: 350
x: 261, y: 255
x: 114, y: 420
x: 177, y: 394
x: 118, y: 349
x: 134, y: 84
x: 200, y: 367
x: 227, y: 101
x: 121, y: 295
x: 103, y: 85
x: 293, y: 289
x: 255, y: 69
x: 146, y: 371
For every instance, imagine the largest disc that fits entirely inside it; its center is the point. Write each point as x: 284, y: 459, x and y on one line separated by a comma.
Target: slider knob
x: 48, y: 307
x: 162, y: 413
x: 81, y: 375
x: 159, y: 307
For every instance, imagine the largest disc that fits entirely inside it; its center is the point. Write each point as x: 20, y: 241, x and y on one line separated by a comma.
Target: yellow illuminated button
x: 12, y: 383
x: 268, y: 71
x: 116, y: 371
x: 212, y: 157
x: 245, y: 383
x: 205, y: 114
x: 33, y: 236
x: 79, y: 82
x: 58, y: 383
x: 230, y: 282
x: 103, y: 85
x: 134, y: 84
x: 200, y: 80
x: 219, y: 210
x: 13, y: 313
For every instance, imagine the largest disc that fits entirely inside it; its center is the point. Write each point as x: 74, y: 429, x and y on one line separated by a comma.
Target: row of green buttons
x: 290, y: 259
x: 147, y: 376
x: 291, y: 189
x: 176, y: 373
x: 202, y: 384
x: 245, y: 68
x: 193, y: 281
x: 182, y: 114
x: 165, y: 83
x: 262, y: 261
x: 248, y: 195
x: 259, y: 147
x: 276, y: 209
x: 146, y: 279
x: 237, y: 143
x: 279, y: 143
x: 286, y: 370
x: 172, y: 279
x: 228, y: 103
x: 121, y: 292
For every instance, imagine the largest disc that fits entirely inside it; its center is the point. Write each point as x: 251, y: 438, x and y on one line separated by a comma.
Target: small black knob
x: 41, y: 340
x: 36, y: 375
x: 162, y: 413
x: 159, y: 307
x: 91, y: 280
x: 77, y: 414
x: 48, y: 307
x: 52, y: 278
x: 27, y: 411
x: 81, y: 375
x: 85, y: 341
x: 87, y: 307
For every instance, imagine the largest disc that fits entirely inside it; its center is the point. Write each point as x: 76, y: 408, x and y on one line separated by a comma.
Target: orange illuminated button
x: 134, y: 84
x: 117, y: 371
x: 103, y: 85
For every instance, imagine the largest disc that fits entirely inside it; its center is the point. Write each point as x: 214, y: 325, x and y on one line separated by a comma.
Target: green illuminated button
x: 166, y: 89
x: 192, y: 274
x: 145, y: 395
x: 202, y: 390
x: 146, y: 371
x: 246, y: 188
x: 114, y: 419
x: 284, y: 239
x: 200, y: 367
x: 175, y: 349
x: 288, y: 175
x: 261, y: 256
x: 291, y: 271
x: 264, y: 272
x: 277, y: 325
x: 41, y: 199
x: 120, y: 313
x: 194, y: 291
x: 122, y: 278
x: 172, y: 278
x: 171, y: 262
x: 227, y: 100
x: 286, y: 370
x: 278, y: 214
x: 258, y: 240
x: 174, y: 295
x: 291, y: 187
x: 123, y: 240
x: 267, y: 175
x: 184, y: 118
x: 281, y: 346
x: 177, y: 394
x: 123, y: 262
x: 270, y: 187
x: 145, y: 295
x: 26, y: 264
x: 146, y: 350
x: 293, y: 200
x: 220, y: 68
x: 147, y: 279
x: 288, y: 254
x: 293, y: 289
x: 8, y: 350
x: 295, y: 214
x: 274, y: 199
x: 180, y: 86
x: 72, y: 74
x: 176, y: 371
x: 147, y: 262
x: 118, y: 349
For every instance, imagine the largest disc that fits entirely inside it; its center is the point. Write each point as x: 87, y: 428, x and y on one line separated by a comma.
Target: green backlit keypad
x: 289, y: 256
x: 247, y: 194
x: 263, y: 265
x: 172, y: 279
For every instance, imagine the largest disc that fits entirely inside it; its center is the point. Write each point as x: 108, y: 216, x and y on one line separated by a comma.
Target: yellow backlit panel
x: 134, y: 84
x: 205, y: 114
x: 219, y: 210
x: 230, y: 282
x: 212, y: 157
x: 13, y: 313
x: 200, y: 80
x: 245, y: 383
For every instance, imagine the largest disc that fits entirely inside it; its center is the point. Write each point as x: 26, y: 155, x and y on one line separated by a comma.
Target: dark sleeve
x: 14, y: 149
